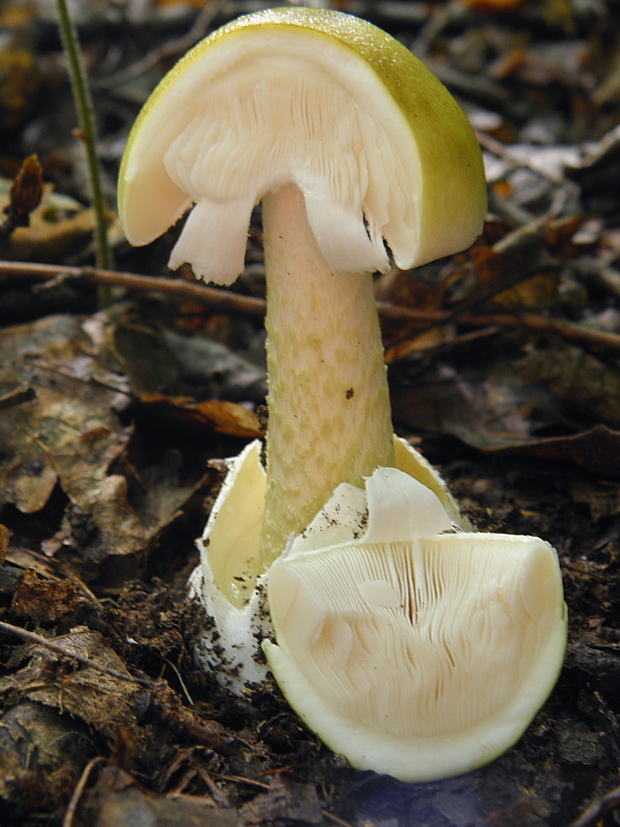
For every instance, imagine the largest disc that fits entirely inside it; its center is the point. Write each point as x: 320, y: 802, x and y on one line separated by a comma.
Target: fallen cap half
x: 416, y: 651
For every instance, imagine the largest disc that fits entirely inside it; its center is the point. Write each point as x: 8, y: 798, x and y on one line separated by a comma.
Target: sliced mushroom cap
x: 416, y: 653
x: 315, y: 98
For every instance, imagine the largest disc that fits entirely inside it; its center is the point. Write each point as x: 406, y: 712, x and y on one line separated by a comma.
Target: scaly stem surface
x: 329, y: 409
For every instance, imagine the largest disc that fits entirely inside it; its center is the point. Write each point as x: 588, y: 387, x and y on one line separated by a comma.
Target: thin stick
x: 336, y: 819
x: 223, y: 300
x: 181, y: 681
x: 239, y: 779
x: 171, y: 48
x: 593, y: 814
x: 86, y: 119
x: 79, y: 789
x: 227, y: 301
x: 31, y: 637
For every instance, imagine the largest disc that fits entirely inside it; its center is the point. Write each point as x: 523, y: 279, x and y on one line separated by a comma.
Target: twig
x: 31, y: 637
x: 168, y: 49
x: 86, y: 119
x: 592, y: 814
x: 239, y: 779
x: 210, y: 296
x: 516, y: 159
x: 443, y: 16
x: 180, y: 679
x: 336, y: 819
x: 198, y: 730
x: 511, y: 321
x: 227, y: 301
x: 79, y: 789
x: 543, y: 324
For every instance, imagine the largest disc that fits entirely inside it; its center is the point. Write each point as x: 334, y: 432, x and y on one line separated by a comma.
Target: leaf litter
x: 504, y: 370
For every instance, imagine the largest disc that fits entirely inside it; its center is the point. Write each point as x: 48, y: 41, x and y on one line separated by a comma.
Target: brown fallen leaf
x: 494, y: 6
x: 44, y: 601
x: 596, y: 450
x: 80, y: 674
x: 74, y: 397
x: 116, y: 528
x: 52, y: 234
x: 602, y: 499
x: 4, y: 542
x: 117, y: 799
x: 25, y: 558
x: 516, y: 272
x: 578, y: 379
x: 62, y: 427
x: 43, y: 749
x: 214, y: 414
x: 287, y: 799
x: 96, y: 696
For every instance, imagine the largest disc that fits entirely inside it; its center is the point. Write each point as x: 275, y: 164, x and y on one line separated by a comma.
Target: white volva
x: 229, y: 583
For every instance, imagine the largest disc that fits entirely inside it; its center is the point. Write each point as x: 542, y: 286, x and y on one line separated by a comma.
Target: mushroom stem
x: 329, y: 407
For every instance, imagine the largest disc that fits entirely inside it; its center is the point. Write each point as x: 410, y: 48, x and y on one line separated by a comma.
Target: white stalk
x: 329, y: 408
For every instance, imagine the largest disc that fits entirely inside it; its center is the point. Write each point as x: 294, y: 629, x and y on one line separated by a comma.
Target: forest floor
x: 504, y: 369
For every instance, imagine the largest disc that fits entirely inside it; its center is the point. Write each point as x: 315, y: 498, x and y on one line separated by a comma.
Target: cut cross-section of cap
x: 319, y: 99
x: 416, y: 651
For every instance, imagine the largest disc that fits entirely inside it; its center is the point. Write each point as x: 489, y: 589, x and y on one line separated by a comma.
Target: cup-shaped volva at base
x: 225, y: 582
x: 229, y: 644
x: 416, y: 651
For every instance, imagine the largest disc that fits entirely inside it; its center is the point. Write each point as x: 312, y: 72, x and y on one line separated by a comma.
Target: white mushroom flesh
x: 279, y: 120
x: 225, y: 582
x: 416, y: 651
x: 421, y: 638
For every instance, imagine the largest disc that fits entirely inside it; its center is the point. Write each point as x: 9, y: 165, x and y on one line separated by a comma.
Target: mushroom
x: 413, y: 650
x: 347, y: 139
x: 350, y: 143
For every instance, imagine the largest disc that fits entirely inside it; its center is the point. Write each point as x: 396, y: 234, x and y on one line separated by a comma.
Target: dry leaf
x: 221, y: 416
x: 67, y: 432
x: 53, y: 234
x: 581, y: 381
x: 39, y: 746
x: 117, y: 799
x: 102, y: 700
x: 596, y: 450
x: 41, y: 600
x: 494, y: 6
x: 286, y: 800
x: 4, y: 543
x: 69, y: 429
